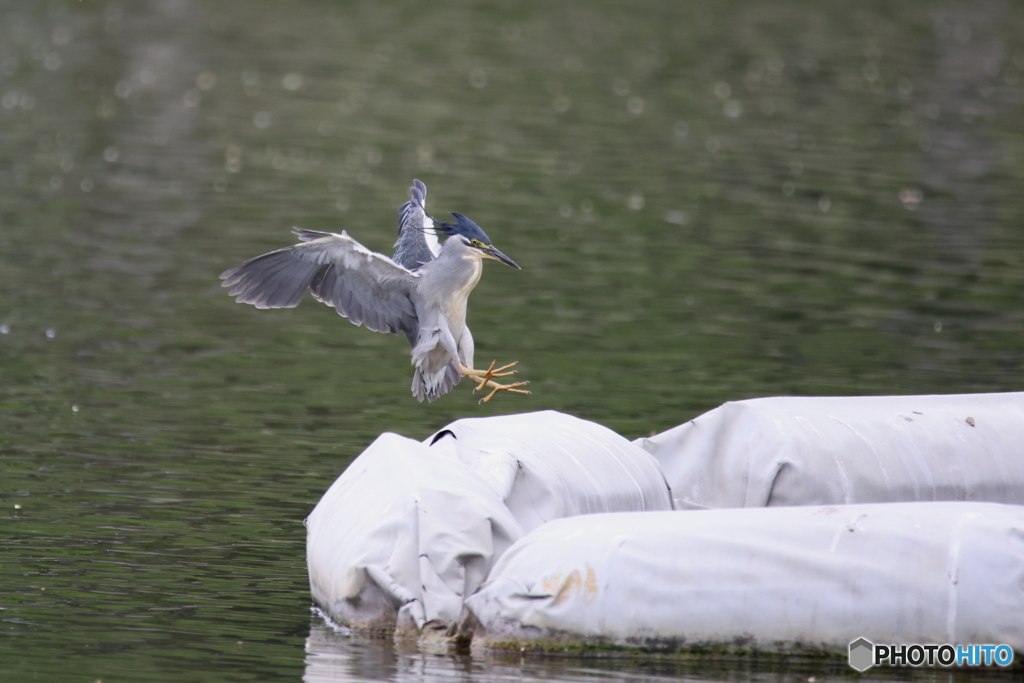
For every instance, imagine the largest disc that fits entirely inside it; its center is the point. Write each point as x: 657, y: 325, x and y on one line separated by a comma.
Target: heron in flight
x: 422, y: 290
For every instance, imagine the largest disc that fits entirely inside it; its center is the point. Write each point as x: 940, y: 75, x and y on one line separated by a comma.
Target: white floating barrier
x: 799, y: 579
x: 547, y: 465
x: 409, y: 529
x: 812, y: 451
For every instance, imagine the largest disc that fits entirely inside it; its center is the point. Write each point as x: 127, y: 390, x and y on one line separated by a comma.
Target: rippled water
x: 709, y: 204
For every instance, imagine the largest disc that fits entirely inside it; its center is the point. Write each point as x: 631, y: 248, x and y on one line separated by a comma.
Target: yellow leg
x: 490, y: 373
x: 485, y: 378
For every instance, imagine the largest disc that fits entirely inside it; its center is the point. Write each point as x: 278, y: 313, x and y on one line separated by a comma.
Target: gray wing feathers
x: 366, y: 300
x: 310, y: 235
x: 418, y: 193
x: 274, y: 280
x: 417, y: 243
x: 367, y: 288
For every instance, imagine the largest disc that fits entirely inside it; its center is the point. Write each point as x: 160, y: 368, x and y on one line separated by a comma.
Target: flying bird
x: 421, y: 291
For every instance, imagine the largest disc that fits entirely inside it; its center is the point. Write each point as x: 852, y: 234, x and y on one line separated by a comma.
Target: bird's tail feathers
x: 429, y: 386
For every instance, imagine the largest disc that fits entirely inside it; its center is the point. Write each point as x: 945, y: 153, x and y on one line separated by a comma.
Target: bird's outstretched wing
x: 417, y: 242
x: 367, y: 288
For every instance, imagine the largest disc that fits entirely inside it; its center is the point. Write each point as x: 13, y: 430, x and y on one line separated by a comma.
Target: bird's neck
x: 455, y: 272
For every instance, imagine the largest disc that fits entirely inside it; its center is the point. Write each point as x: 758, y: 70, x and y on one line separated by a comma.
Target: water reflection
x: 332, y: 658
x: 337, y: 657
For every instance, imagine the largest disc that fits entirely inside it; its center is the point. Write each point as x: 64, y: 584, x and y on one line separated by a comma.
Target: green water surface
x: 710, y: 202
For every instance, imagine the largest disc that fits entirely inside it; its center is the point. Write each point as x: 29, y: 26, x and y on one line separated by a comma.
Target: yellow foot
x: 500, y: 387
x: 485, y: 378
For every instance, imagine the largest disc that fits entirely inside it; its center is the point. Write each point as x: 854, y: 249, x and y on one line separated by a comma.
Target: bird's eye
x: 477, y: 243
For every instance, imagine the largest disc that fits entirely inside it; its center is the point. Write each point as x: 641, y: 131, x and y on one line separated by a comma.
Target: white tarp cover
x: 797, y: 579
x: 407, y: 530
x: 401, y: 534
x: 814, y: 451
x: 547, y: 465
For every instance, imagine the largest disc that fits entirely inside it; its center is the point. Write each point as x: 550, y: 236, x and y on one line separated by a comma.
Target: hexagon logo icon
x: 862, y: 654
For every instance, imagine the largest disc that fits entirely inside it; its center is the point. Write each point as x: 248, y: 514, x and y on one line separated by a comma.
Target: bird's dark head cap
x: 464, y: 227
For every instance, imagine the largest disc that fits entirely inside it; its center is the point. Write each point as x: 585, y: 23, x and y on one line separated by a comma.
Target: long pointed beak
x: 490, y: 252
